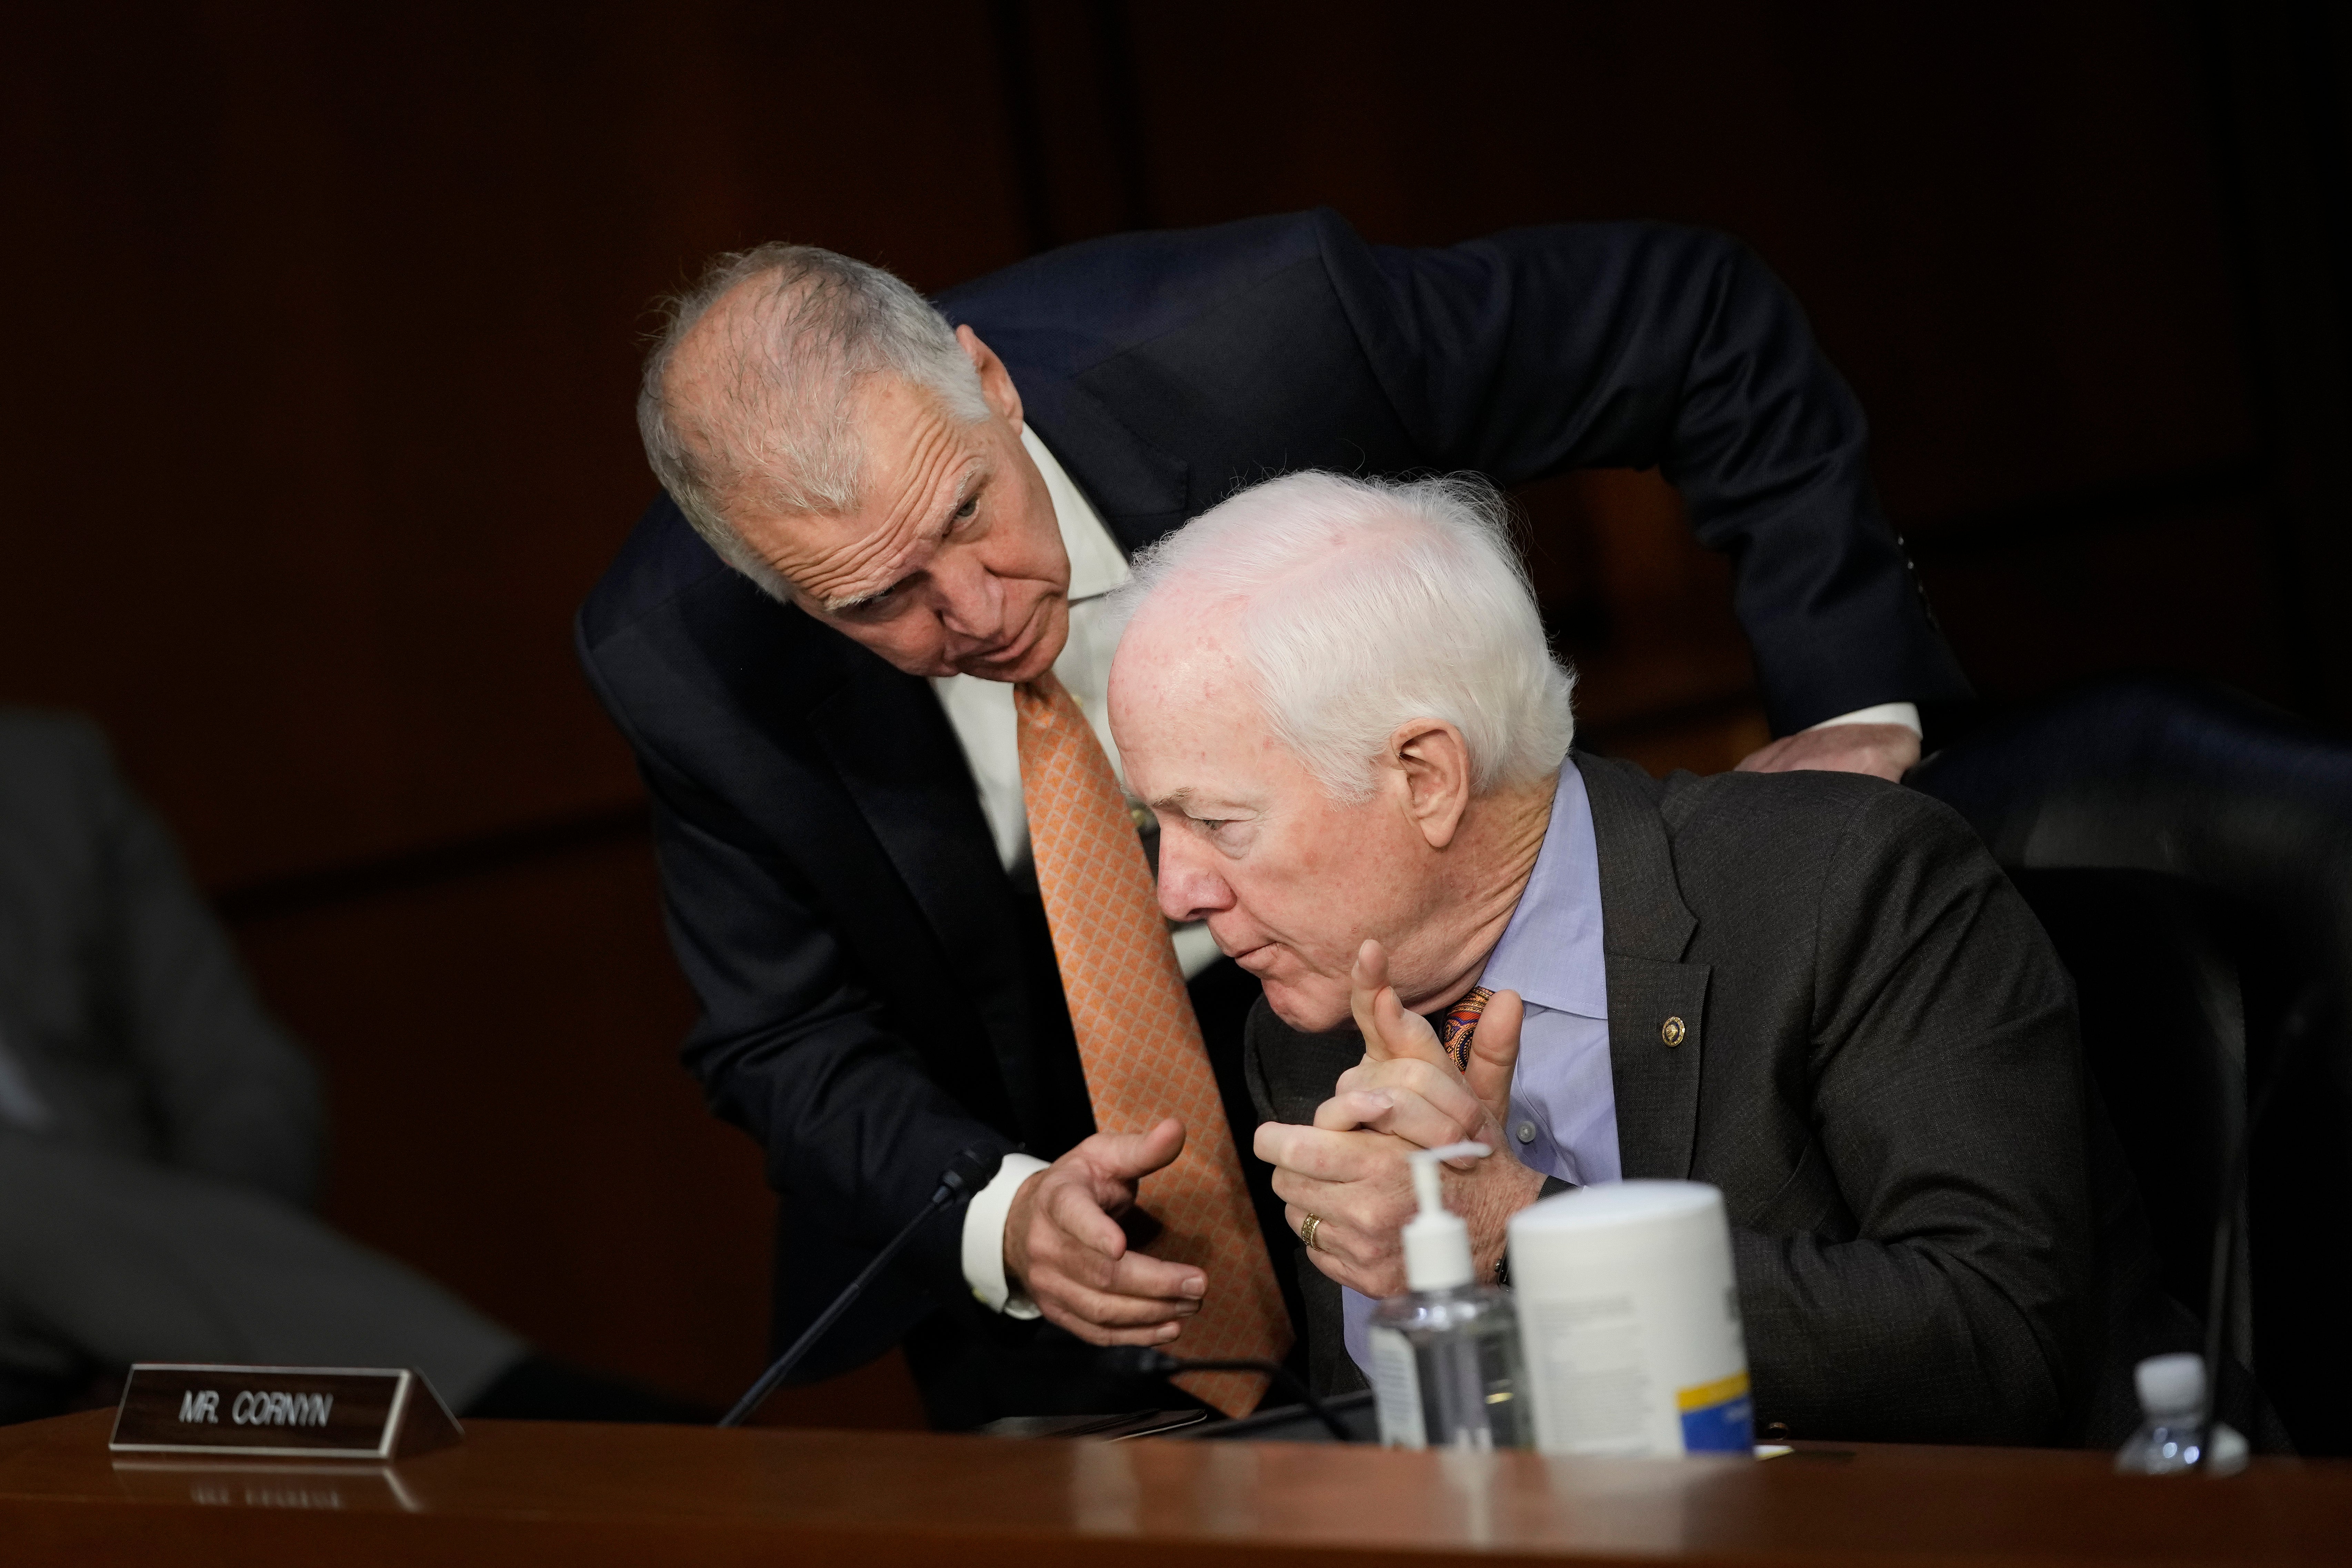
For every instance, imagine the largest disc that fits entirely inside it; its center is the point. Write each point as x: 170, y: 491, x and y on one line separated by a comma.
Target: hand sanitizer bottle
x: 1445, y: 1354
x: 2172, y: 1428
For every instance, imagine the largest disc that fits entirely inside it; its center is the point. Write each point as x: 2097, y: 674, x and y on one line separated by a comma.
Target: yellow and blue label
x: 1717, y: 1416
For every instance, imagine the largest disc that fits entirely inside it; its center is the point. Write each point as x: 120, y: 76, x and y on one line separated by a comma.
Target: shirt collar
x: 1551, y: 952
x: 1096, y: 563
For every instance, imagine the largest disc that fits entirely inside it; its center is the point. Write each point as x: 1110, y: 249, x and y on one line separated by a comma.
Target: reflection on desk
x: 218, y: 1483
x: 531, y: 1492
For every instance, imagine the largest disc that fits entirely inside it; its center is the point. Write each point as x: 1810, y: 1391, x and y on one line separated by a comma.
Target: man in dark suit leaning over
x: 1815, y: 991
x: 881, y: 519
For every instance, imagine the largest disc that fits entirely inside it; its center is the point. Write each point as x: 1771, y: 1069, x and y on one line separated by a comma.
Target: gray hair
x: 781, y: 421
x: 1366, y: 604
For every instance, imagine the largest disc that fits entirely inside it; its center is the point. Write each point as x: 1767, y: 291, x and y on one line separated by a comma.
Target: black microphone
x: 1141, y: 1361
x: 966, y: 1174
x: 2297, y: 1029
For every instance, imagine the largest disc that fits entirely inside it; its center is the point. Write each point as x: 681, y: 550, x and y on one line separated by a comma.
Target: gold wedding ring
x: 1306, y: 1231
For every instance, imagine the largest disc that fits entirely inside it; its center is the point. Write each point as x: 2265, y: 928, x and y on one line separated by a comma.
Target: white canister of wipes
x: 1629, y: 1322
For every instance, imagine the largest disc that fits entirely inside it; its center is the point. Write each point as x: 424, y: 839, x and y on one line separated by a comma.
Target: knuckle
x: 1326, y: 1157
x: 1087, y: 1306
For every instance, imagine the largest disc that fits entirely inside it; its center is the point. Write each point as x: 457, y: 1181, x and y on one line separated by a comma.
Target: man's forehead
x: 1179, y: 675
x: 731, y: 371
x: 1178, y: 636
x: 916, y: 465
x: 896, y: 421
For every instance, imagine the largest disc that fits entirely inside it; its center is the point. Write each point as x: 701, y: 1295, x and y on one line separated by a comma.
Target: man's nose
x: 1190, y: 887
x: 967, y: 597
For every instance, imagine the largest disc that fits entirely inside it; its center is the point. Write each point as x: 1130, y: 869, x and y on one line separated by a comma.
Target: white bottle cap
x: 1436, y: 1242
x: 2171, y: 1384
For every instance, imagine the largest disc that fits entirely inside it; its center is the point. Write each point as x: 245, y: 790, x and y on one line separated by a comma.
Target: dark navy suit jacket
x: 877, y: 993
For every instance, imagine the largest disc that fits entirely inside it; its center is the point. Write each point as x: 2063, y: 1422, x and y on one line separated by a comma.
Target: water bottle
x: 2172, y: 1422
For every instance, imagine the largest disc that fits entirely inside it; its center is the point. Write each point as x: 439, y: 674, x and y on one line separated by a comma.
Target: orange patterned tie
x: 1460, y: 1023
x: 1138, y: 1041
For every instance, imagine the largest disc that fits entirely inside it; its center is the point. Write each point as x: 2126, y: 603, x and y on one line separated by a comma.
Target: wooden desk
x: 529, y: 1492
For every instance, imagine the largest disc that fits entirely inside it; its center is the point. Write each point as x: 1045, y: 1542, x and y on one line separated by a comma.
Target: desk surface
x: 519, y: 1492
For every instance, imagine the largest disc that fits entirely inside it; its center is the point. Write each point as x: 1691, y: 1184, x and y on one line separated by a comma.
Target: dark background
x: 317, y: 426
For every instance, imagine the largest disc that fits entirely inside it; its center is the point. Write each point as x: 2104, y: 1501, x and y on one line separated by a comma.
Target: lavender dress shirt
x: 1563, y: 1102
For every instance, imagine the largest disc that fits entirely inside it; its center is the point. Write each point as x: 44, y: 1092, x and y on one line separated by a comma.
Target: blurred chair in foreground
x: 160, y: 1136
x: 2190, y: 851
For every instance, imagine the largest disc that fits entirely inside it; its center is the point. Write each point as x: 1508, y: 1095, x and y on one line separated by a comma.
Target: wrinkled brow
x: 930, y: 532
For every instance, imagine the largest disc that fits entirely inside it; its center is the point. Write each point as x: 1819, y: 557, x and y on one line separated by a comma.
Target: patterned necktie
x: 1138, y: 1041
x: 1461, y: 1022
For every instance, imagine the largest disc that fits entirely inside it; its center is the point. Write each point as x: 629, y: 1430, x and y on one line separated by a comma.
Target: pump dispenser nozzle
x: 1436, y: 1242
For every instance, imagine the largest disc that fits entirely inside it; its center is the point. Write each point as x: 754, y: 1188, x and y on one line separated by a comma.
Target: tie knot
x: 1461, y: 1022
x: 1046, y: 701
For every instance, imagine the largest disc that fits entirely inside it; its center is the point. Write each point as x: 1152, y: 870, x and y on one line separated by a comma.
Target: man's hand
x: 1889, y: 750
x: 1393, y: 1038
x: 1070, y: 1255
x: 1350, y: 1168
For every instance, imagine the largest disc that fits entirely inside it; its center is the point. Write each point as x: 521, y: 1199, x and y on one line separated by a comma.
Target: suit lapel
x: 1657, y: 1004
x: 896, y: 753
x: 1141, y: 492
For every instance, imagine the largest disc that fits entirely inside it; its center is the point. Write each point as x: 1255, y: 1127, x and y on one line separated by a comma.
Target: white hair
x: 776, y: 416
x: 1362, y: 605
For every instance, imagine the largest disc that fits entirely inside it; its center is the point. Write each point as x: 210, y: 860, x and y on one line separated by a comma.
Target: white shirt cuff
x: 1904, y: 713
x: 983, y: 1237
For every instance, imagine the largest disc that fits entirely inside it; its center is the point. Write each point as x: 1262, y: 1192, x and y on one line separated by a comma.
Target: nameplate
x: 280, y: 1412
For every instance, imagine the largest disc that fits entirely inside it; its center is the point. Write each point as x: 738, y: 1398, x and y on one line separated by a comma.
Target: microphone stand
x: 962, y: 1174
x: 2220, y: 1287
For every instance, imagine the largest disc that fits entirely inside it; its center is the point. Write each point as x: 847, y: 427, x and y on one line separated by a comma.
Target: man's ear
x: 1435, y: 763
x: 995, y: 381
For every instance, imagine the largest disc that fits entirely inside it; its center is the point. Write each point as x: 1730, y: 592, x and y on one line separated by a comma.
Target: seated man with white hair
x: 1815, y: 991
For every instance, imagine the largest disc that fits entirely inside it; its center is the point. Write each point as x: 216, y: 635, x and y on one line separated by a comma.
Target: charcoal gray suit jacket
x: 1882, y: 1073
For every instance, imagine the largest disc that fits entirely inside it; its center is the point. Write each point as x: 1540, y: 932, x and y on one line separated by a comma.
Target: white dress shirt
x: 1904, y: 713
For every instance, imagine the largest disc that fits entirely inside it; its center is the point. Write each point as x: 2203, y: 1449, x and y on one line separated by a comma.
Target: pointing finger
x: 1074, y: 1211
x: 1406, y: 1034
x: 1366, y: 980
x: 1140, y: 1274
